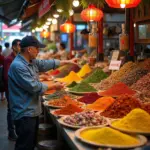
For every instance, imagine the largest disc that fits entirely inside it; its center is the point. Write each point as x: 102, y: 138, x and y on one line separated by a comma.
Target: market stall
x: 96, y: 104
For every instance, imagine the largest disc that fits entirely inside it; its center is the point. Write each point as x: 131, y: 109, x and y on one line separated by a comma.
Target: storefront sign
x: 114, y: 65
x: 44, y: 7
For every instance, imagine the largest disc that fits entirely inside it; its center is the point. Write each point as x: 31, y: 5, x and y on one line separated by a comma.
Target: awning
x: 10, y: 9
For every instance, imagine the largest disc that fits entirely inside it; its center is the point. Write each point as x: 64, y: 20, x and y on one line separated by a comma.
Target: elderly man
x: 25, y: 90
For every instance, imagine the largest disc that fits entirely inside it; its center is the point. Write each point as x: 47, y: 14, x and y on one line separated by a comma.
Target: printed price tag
x: 114, y: 65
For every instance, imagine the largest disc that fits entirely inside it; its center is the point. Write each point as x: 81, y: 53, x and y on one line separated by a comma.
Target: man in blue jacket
x: 25, y: 90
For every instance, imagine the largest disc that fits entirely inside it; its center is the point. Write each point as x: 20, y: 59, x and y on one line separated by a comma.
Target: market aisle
x: 5, y: 144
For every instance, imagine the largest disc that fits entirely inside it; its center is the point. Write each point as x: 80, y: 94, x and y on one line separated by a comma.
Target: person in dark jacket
x: 7, y: 62
x: 2, y: 89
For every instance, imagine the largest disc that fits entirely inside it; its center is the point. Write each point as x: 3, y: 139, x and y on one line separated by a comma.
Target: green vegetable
x: 96, y: 76
x: 83, y: 87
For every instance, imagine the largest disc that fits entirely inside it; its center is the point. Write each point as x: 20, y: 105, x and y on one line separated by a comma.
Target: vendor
x: 85, y: 35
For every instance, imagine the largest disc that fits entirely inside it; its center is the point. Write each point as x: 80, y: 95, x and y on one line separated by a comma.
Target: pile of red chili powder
x: 89, y: 98
x: 117, y: 90
x: 121, y: 107
x: 55, y: 72
x: 68, y: 110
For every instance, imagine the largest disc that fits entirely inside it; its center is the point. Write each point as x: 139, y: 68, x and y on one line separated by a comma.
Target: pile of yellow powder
x: 84, y: 70
x: 109, y: 136
x: 137, y: 120
x: 70, y: 78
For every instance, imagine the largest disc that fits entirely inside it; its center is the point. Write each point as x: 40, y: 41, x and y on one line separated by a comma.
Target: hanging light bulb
x: 48, y: 23
x: 54, y: 21
x: 45, y: 27
x: 33, y: 31
x: 71, y: 12
x: 55, y: 15
x: 49, y: 19
x: 75, y: 3
x: 59, y: 10
x: 134, y: 25
x: 40, y: 29
x: 37, y: 29
x: 122, y: 5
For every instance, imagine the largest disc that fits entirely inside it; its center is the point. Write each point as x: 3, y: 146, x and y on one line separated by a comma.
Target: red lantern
x: 45, y: 34
x: 122, y: 3
x: 67, y: 27
x: 91, y: 14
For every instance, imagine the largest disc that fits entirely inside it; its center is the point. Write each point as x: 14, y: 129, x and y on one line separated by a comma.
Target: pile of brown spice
x: 116, y: 76
x: 121, y: 107
x: 133, y: 76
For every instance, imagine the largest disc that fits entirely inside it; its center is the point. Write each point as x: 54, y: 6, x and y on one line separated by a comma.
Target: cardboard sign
x: 114, y: 65
x: 115, y: 55
x: 44, y: 7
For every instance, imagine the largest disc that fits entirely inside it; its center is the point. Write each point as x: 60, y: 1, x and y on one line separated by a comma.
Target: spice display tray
x: 61, y: 121
x: 142, y: 140
x: 53, y: 113
x: 129, y: 131
x: 52, y: 106
x: 78, y: 93
x: 49, y: 92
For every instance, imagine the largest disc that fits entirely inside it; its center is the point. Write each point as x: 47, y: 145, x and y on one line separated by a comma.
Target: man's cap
x: 31, y: 41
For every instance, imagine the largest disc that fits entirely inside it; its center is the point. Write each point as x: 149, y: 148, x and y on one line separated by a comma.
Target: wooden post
x: 131, y: 35
x: 71, y: 42
x: 100, y: 53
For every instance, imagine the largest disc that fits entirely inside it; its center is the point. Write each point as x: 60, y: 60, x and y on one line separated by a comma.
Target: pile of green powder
x: 72, y: 84
x: 83, y: 87
x: 56, y: 95
x: 96, y: 76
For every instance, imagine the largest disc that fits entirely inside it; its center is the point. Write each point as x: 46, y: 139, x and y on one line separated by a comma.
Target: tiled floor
x: 5, y: 144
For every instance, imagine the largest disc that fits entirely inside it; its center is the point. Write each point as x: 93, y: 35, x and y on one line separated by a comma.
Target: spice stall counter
x: 67, y: 134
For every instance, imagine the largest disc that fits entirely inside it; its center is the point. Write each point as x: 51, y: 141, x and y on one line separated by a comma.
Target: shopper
x: 62, y: 53
x: 1, y: 75
x: 7, y: 62
x: 7, y: 51
x: 25, y: 90
x: 85, y: 35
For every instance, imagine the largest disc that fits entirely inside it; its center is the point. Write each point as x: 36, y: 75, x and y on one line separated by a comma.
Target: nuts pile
x: 87, y: 118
